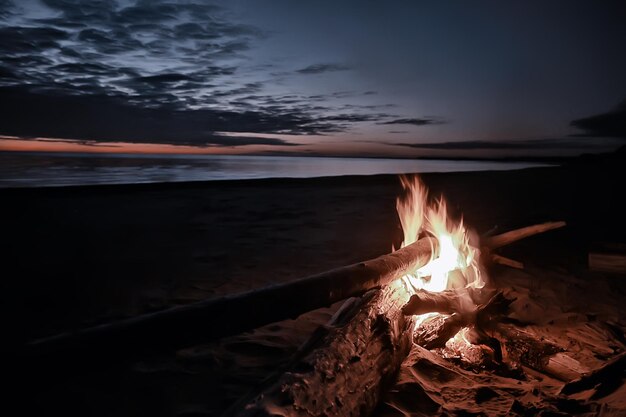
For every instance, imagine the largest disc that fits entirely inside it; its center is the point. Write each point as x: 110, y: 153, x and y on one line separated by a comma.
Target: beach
x: 94, y: 254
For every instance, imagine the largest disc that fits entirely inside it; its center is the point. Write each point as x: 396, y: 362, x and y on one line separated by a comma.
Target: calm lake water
x: 42, y: 170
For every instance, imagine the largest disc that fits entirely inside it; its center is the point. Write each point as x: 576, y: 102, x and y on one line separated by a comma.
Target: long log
x: 347, y: 371
x: 216, y: 318
x: 232, y: 314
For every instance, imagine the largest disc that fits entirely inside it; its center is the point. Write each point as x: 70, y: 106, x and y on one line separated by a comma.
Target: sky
x: 342, y: 78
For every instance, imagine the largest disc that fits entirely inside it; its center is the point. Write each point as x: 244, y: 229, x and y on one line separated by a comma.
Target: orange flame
x: 456, y: 254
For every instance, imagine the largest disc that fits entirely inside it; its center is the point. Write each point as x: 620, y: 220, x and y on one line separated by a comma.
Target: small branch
x: 608, y: 262
x: 507, y: 238
x: 502, y: 260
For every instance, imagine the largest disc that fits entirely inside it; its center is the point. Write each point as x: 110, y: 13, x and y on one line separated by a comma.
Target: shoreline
x: 138, y: 155
x: 149, y: 185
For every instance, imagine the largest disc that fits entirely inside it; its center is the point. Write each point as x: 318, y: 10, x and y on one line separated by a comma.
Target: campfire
x: 457, y: 265
x: 454, y: 313
x: 440, y: 303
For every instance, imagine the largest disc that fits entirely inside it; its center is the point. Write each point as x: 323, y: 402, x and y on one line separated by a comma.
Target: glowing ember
x: 459, y: 338
x: 459, y: 348
x: 420, y: 218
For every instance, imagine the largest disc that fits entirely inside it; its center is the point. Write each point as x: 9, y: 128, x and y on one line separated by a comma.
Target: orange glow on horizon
x: 66, y: 145
x: 338, y: 148
x: 304, y: 146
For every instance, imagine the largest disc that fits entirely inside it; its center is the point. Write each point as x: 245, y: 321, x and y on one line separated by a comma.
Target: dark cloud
x: 321, y: 68
x: 151, y: 71
x: 144, y: 12
x: 546, y: 144
x: 125, y: 49
x: 369, y: 106
x: 86, y: 69
x: 164, y: 78
x: 109, y: 119
x: 17, y: 40
x: 115, y: 118
x: 609, y: 124
x: 353, y: 117
x: 414, y: 122
x: 6, y: 7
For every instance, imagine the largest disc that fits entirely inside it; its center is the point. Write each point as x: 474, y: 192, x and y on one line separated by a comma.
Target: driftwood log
x: 345, y: 372
x: 216, y: 318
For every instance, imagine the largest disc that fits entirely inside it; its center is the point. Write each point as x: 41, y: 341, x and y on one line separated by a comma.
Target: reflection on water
x: 36, y: 170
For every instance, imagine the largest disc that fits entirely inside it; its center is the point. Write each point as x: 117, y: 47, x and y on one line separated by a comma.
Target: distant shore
x: 51, y: 170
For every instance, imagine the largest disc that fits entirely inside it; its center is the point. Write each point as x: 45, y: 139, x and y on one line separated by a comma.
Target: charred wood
x: 345, y: 372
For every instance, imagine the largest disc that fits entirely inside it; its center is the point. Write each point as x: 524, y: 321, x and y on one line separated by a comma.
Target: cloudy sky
x: 353, y: 77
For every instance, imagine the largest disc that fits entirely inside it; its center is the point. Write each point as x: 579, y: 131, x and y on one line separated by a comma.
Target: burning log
x: 447, y: 302
x: 345, y: 372
x: 212, y: 319
x: 458, y: 310
x: 488, y: 325
x: 435, y: 331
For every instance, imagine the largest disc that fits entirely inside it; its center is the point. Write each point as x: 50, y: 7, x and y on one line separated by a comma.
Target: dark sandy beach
x: 79, y: 256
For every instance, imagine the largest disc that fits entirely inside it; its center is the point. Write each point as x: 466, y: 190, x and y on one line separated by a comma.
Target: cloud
x: 114, y: 118
x: 321, y: 68
x: 546, y: 144
x: 122, y: 49
x: 17, y: 40
x: 6, y: 7
x: 609, y: 124
x: 151, y: 71
x: 414, y: 122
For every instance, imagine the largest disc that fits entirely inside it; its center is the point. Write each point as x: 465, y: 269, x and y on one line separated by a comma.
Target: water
x: 43, y: 170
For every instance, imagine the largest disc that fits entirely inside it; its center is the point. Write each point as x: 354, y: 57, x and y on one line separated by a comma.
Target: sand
x: 85, y: 255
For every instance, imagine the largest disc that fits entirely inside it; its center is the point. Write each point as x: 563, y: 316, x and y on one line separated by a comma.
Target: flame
x: 456, y: 264
x: 460, y: 338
